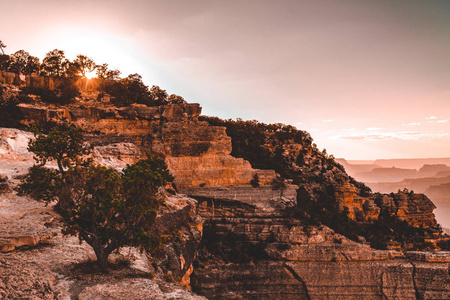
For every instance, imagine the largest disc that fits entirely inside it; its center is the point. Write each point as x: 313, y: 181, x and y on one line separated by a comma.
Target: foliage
x: 129, y: 90
x: 66, y: 91
x: 159, y: 96
x: 105, y: 73
x: 21, y: 62
x: 388, y: 230
x: 64, y: 144
x: 444, y: 245
x: 255, y: 181
x: 54, y: 63
x: 132, y: 89
x: 250, y: 139
x: 84, y: 65
x: 9, y: 111
x: 63, y: 94
x: 363, y: 190
x: 41, y: 183
x: 105, y: 208
x: 5, y: 61
x: 176, y: 99
x: 46, y: 95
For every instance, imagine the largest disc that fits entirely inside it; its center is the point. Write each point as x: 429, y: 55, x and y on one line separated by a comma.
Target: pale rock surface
x: 116, y: 155
x: 133, y: 289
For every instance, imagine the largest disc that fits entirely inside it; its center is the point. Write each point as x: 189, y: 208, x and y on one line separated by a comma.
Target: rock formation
x: 197, y: 154
x: 233, y: 234
x: 251, y: 250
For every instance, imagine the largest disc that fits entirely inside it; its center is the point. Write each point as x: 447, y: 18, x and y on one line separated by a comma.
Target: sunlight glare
x: 90, y: 75
x: 102, y: 45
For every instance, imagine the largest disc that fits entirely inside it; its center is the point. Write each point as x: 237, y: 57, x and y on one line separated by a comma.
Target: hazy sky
x: 367, y: 79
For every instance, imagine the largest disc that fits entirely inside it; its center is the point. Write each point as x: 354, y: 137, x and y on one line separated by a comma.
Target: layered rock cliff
x: 252, y: 250
x: 257, y: 240
x: 196, y: 153
x: 326, y: 193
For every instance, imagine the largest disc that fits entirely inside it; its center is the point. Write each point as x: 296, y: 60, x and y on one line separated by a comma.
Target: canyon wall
x: 252, y: 250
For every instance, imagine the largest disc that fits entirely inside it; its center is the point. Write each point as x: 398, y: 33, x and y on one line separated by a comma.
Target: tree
x: 105, y: 73
x: 110, y: 210
x: 159, y: 95
x: 2, y: 46
x: 5, y: 61
x: 10, y: 113
x: 105, y: 208
x: 21, y: 62
x: 129, y: 90
x: 176, y: 99
x: 63, y: 144
x: 84, y: 64
x: 54, y: 63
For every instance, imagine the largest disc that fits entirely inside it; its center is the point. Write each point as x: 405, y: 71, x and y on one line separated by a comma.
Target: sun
x: 90, y: 75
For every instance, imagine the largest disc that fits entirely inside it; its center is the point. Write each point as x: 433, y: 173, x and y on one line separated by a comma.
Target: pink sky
x: 367, y: 79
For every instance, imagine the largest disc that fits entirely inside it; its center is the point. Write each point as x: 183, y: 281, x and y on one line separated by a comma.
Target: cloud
x: 366, y: 137
x: 374, y: 128
x: 404, y: 135
x: 412, y: 124
x: 327, y: 120
x: 433, y: 119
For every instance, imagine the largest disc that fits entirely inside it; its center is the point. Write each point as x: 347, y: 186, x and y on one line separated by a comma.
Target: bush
x: 10, y: 113
x: 255, y: 181
x: 129, y: 90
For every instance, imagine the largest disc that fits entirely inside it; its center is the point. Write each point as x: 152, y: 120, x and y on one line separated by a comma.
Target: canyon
x: 232, y: 238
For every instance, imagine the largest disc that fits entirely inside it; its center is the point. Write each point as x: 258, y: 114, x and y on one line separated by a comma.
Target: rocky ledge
x: 252, y: 250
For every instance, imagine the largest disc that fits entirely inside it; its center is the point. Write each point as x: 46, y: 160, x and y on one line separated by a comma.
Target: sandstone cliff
x: 256, y: 243
x: 251, y: 250
x: 196, y: 153
x: 326, y: 193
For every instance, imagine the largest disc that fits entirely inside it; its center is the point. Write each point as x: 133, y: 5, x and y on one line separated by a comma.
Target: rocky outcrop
x: 360, y: 208
x: 197, y: 154
x: 21, y: 227
x: 178, y: 219
x: 415, y: 209
x: 252, y: 250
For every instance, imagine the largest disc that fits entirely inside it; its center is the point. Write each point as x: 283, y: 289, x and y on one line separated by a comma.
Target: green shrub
x: 105, y: 208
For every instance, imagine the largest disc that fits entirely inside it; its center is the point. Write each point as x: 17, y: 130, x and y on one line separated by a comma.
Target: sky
x: 367, y: 79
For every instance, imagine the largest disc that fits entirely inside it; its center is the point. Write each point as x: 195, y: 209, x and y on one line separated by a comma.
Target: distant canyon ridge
x: 430, y: 176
